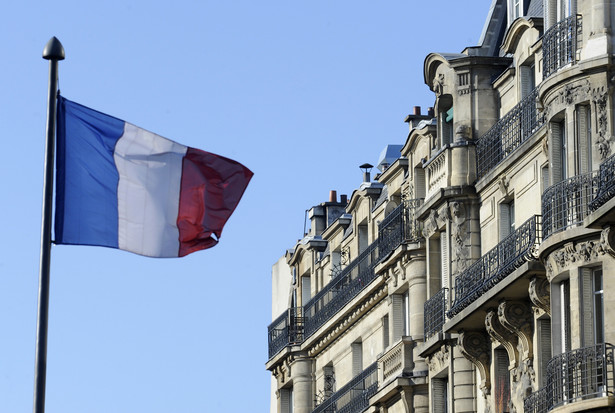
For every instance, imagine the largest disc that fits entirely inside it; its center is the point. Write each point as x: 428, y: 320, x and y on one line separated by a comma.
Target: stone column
x: 302, y: 385
x: 463, y: 383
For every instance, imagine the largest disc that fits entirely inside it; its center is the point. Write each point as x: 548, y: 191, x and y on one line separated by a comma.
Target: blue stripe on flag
x: 86, y: 176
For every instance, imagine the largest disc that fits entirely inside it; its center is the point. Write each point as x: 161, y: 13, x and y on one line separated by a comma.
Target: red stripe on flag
x: 211, y: 187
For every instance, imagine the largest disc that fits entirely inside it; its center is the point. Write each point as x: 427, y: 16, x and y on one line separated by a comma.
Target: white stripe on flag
x: 150, y: 169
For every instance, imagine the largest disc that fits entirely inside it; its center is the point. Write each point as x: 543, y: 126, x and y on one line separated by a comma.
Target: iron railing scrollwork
x: 508, y: 134
x: 517, y: 248
x: 560, y: 44
x: 566, y: 204
x: 399, y: 226
x: 341, y: 290
x: 577, y: 375
x: 284, y: 330
x: 354, y: 396
x: 606, y: 184
x: 435, y: 313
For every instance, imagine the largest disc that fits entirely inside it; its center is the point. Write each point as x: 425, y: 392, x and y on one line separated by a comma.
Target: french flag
x: 123, y: 187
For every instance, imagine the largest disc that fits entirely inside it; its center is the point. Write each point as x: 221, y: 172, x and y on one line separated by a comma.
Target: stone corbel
x: 474, y: 346
x: 498, y: 332
x: 431, y: 224
x: 540, y: 293
x: 517, y: 317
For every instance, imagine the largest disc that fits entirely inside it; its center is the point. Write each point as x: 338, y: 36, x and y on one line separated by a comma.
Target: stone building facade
x: 472, y: 273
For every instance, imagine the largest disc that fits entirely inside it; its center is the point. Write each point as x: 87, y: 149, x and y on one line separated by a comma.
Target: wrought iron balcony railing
x: 560, y: 44
x: 566, y: 204
x: 434, y: 313
x: 580, y: 374
x: 341, y: 290
x: 508, y: 134
x: 399, y: 226
x: 514, y: 250
x: 286, y: 329
x: 354, y: 396
x: 606, y: 184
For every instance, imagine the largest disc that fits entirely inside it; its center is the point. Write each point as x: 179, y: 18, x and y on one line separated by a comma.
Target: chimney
x: 367, y: 168
x: 332, y: 196
x: 430, y: 112
x: 417, y: 111
x: 343, y: 199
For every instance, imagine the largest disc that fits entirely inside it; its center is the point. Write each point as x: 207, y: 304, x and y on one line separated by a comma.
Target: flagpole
x: 53, y: 52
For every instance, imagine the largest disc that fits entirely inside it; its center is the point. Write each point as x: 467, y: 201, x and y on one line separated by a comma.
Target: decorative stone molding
x: 463, y: 133
x: 505, y: 337
x: 539, y: 292
x: 579, y: 253
x: 344, y: 324
x: 438, y: 85
x: 517, y: 317
x: 545, y: 145
x: 475, y: 346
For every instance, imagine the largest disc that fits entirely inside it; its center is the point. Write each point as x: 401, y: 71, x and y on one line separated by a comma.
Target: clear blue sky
x: 301, y: 92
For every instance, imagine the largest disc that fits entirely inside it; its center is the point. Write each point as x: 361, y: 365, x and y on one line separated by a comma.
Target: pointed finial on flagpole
x: 53, y: 50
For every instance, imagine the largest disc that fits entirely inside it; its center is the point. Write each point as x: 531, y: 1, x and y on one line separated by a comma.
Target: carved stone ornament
x: 459, y: 236
x: 545, y: 145
x: 579, y: 253
x: 504, y: 183
x: 463, y: 133
x: 475, y: 347
x: 431, y: 224
x: 439, y: 360
x: 522, y: 379
x: 540, y: 293
x: 438, y: 84
x: 516, y: 316
x: 499, y: 333
x: 604, y: 140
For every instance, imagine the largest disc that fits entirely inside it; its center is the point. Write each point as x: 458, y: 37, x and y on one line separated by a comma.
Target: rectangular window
x: 584, y: 144
x: 406, y: 314
x: 444, y: 260
x: 439, y: 395
x: 385, y: 332
x: 507, y: 219
x: 559, y: 152
x: 528, y: 79
x: 502, y: 381
x: 593, y: 307
x: 286, y: 400
x: 565, y: 315
x: 544, y: 345
x: 329, y: 380
x: 306, y: 285
x: 357, y: 358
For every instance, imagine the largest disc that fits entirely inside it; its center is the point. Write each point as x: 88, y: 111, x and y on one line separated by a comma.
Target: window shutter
x: 598, y: 305
x: 444, y: 259
x: 385, y: 332
x: 527, y: 84
x: 565, y: 315
x: 544, y: 326
x: 584, y: 139
x: 285, y: 400
x: 397, y: 304
x: 557, y: 153
x: 504, y: 221
x: 306, y: 285
x: 550, y: 12
x: 439, y: 390
x: 419, y: 183
x: 357, y: 358
x: 406, y: 314
x: 588, y: 307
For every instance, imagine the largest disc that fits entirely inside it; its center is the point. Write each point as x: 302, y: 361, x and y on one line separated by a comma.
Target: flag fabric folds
x: 123, y: 187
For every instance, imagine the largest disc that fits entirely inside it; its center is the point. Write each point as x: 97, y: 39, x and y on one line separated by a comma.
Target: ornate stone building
x: 472, y: 274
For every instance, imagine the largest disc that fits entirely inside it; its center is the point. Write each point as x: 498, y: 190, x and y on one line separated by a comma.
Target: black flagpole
x: 53, y: 52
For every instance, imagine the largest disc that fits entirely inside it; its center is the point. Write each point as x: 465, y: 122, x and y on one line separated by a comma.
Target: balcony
x: 341, y: 290
x: 434, y: 311
x: 566, y: 204
x: 606, y: 184
x: 400, y: 226
x: 560, y: 44
x: 516, y: 127
x: 354, y: 396
x: 575, y: 376
x: 285, y: 330
x: 517, y: 248
x: 397, y: 361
